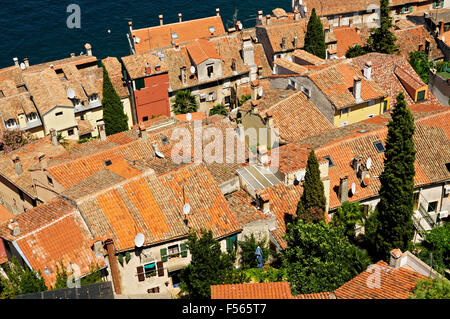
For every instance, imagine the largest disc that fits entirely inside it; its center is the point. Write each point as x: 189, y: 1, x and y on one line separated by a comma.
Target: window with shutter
x: 434, y: 4
x: 160, y: 267
x: 184, y: 251
x: 163, y: 252
x: 140, y: 273
x: 140, y: 84
x: 229, y: 242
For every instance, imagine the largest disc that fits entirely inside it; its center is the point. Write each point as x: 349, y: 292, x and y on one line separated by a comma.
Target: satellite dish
x: 139, y: 240
x: 192, y: 69
x: 137, y: 40
x: 369, y: 163
x: 353, y: 188
x: 188, y: 117
x: 23, y: 66
x: 159, y: 154
x: 70, y: 93
x: 299, y: 176
x: 260, y: 91
x: 187, y: 209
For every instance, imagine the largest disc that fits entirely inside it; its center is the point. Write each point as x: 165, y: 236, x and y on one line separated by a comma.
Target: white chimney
x: 17, y: 166
x: 368, y: 71
x: 357, y: 88
x: 248, y: 51
x: 143, y: 132
x: 268, y: 19
x: 180, y: 17
x: 343, y: 189
x: 27, y: 63
x: 161, y: 19
x: 395, y: 257
x: 88, y: 48
x: 16, y: 61
x: 130, y: 25
x: 54, y: 137
x: 183, y: 73
x: 296, y: 15
x: 101, y: 130
x: 218, y: 12
x: 260, y: 14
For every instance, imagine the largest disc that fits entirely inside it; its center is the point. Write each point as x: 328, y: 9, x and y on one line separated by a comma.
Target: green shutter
x: 183, y: 248
x: 403, y: 10
x: 434, y: 4
x: 140, y: 84
x: 229, y: 244
x: 163, y: 252
x: 410, y: 8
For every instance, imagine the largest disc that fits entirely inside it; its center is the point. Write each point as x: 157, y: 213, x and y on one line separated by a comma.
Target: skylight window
x: 448, y: 166
x: 174, y: 35
x: 330, y: 162
x: 108, y: 163
x: 379, y: 146
x: 165, y: 140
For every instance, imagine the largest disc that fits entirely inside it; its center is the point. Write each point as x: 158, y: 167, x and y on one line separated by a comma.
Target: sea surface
x: 37, y: 29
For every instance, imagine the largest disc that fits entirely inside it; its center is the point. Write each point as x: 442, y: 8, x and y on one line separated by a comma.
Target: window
x: 165, y: 140
x: 385, y: 103
x: 432, y: 207
x: 173, y: 251
x: 145, y: 119
x: 212, y: 96
x: 420, y: 96
x: 50, y: 180
x: 11, y: 123
x: 32, y: 117
x: 306, y: 91
x: 345, y: 110
x: 227, y: 100
x: 330, y: 162
x: 58, y: 113
x: 139, y: 83
x: 150, y: 270
x: 108, y: 163
x: 292, y: 83
x: 202, y: 98
x: 231, y: 243
x: 379, y: 146
x: 70, y: 132
x: 210, y: 70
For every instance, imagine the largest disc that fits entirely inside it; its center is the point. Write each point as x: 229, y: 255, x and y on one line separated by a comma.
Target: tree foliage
x: 312, y: 204
x: 419, y: 62
x: 438, y: 288
x: 115, y: 119
x: 348, y: 216
x: 61, y: 277
x: 355, y: 50
x: 391, y: 225
x: 218, y: 109
x: 435, y: 249
x: 248, y: 249
x: 21, y: 280
x: 11, y: 140
x: 209, y: 266
x: 315, y: 37
x: 382, y: 40
x: 319, y: 257
x: 184, y: 103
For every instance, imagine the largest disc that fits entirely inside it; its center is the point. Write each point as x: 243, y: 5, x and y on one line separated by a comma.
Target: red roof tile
x: 346, y: 37
x: 267, y: 290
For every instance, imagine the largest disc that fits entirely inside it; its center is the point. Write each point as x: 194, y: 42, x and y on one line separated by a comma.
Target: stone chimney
x: 148, y: 69
x: 142, y: 131
x: 263, y: 201
x: 368, y: 70
x: 296, y: 15
x: 14, y: 227
x: 283, y: 43
x: 98, y: 248
x: 263, y: 156
x: 343, y: 189
x: 183, y: 74
x: 43, y: 160
x: 113, y: 266
x: 254, y: 85
x: 248, y: 51
x: 218, y: 12
x: 441, y: 27
x: 180, y: 17
x: 54, y: 137
x: 295, y: 42
x: 395, y: 258
x: 260, y: 15
x: 357, y: 88
x: 88, y: 48
x: 16, y: 61
x: 130, y: 25
x: 101, y: 130
x: 340, y: 21
x: 161, y: 22
x: 268, y: 19
x: 26, y: 62
x: 17, y: 166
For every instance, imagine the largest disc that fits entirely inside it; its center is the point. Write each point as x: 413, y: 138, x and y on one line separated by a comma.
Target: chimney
x: 130, y: 25
x: 218, y: 12
x: 101, y: 130
x: 255, y: 108
x: 98, y: 248
x: 295, y: 42
x: 42, y: 161
x: 263, y: 201
x: 260, y: 15
x: 180, y: 17
x: 113, y: 265
x: 358, y: 30
x: 283, y: 43
x: 340, y: 20
x: 14, y: 227
x: 88, y: 48
x: 16, y: 61
x: 183, y: 73
x: 54, y: 137
x: 72, y: 55
x: 148, y: 69
x: 254, y: 89
x: 343, y: 189
x: 350, y: 22
x: 296, y: 15
x: 441, y: 27
x: 268, y: 19
x: 368, y: 70
x: 142, y: 131
x: 356, y: 164
x: 161, y: 19
x: 248, y: 51
x: 17, y: 166
x: 395, y: 258
x: 27, y: 63
x: 357, y: 88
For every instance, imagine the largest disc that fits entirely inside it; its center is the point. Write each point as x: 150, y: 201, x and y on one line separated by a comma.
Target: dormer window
x: 77, y: 102
x: 32, y: 117
x: 11, y: 123
x: 210, y: 70
x: 93, y: 98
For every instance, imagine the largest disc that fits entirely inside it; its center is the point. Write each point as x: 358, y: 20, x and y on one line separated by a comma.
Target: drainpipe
x: 113, y: 265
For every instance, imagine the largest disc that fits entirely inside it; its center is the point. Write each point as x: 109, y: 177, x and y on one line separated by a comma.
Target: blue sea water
x: 37, y: 29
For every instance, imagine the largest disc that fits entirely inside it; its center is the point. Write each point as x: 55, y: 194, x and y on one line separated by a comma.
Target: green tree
x: 248, y: 249
x: 61, y: 277
x: 244, y: 98
x: 21, y: 280
x: 435, y: 249
x: 94, y: 276
x: 391, y: 224
x: 315, y: 37
x: 218, y: 109
x: 320, y: 258
x: 355, y: 50
x: 348, y: 216
x: 184, y: 103
x: 209, y: 266
x: 312, y: 204
x: 115, y: 119
x: 438, y: 288
x: 419, y: 62
x: 381, y: 39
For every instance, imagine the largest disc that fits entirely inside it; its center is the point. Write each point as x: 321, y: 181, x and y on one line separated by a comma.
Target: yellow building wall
x: 359, y: 112
x: 93, y: 116
x: 127, y: 109
x: 61, y: 123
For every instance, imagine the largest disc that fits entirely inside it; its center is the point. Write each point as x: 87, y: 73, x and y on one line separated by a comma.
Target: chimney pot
x: 395, y: 258
x: 161, y: 19
x: 260, y: 14
x: 357, y: 88
x: 268, y: 19
x: 101, y: 130
x: 343, y: 189
x: 142, y: 131
x: 180, y: 17
x: 16, y: 231
x: 368, y: 70
x: 113, y: 266
x: 148, y: 69
x: 26, y: 62
x: 54, y: 137
x: 17, y: 166
x: 218, y: 12
x: 16, y: 61
x: 88, y: 48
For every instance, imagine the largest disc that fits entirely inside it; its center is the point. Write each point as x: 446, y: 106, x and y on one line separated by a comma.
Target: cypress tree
x: 391, y: 225
x: 315, y: 37
x: 312, y: 204
x: 382, y: 40
x: 113, y: 115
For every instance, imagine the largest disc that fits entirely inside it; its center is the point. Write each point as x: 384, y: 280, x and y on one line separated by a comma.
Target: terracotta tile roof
x: 267, y: 290
x: 269, y: 98
x: 410, y: 38
x: 317, y: 295
x: 279, y: 13
x: 114, y: 69
x: 292, y: 158
x: 244, y: 208
x: 383, y: 73
x: 161, y: 36
x: 431, y: 143
x: 3, y: 256
x: 11, y: 106
x: 308, y: 57
x: 194, y: 116
x: 394, y: 284
x: 5, y: 214
x: 393, y: 3
x: 154, y: 206
x: 84, y: 127
x: 65, y: 240
x: 326, y: 8
x: 336, y: 82
x: 136, y: 64
x: 346, y: 37
x: 202, y: 50
x: 410, y: 82
x: 291, y: 66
